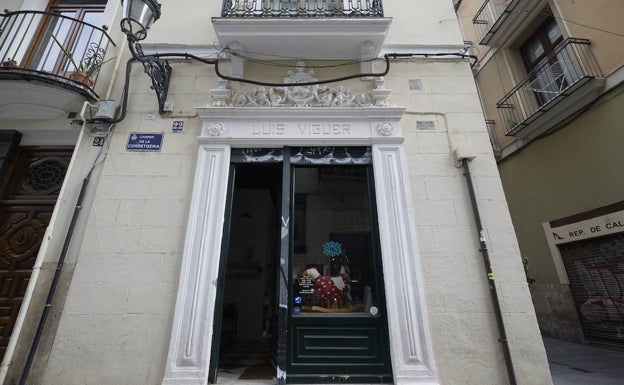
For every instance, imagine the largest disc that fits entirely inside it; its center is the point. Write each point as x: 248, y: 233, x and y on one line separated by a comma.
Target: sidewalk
x: 578, y: 364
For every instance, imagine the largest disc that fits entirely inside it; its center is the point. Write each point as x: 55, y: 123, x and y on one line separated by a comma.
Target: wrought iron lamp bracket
x: 156, y: 68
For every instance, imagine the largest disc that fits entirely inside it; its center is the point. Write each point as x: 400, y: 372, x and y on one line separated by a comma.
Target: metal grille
x: 302, y: 8
x: 595, y: 268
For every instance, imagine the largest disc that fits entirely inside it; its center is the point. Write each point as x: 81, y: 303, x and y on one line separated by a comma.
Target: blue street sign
x: 141, y: 141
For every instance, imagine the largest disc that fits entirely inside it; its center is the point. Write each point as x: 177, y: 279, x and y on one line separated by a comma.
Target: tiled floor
x: 237, y: 356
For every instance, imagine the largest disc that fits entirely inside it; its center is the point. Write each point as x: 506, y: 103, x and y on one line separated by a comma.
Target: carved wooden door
x: 27, y: 198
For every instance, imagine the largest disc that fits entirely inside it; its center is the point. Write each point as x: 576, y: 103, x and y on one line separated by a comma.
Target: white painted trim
x: 556, y: 255
x: 410, y: 344
x: 242, y: 126
x: 191, y: 336
x: 226, y: 127
x: 50, y: 138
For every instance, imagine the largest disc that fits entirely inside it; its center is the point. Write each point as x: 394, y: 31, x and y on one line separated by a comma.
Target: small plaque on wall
x: 140, y: 141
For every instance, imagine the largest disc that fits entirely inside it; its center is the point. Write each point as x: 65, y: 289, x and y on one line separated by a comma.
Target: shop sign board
x: 603, y: 225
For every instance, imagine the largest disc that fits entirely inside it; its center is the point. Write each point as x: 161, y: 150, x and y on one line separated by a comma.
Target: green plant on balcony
x: 90, y: 65
x: 9, y: 62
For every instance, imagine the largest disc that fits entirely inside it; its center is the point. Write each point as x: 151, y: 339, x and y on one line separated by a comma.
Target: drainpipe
x: 55, y: 281
x: 488, y: 269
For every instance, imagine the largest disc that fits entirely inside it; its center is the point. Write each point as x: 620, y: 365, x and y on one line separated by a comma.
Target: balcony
x: 302, y: 8
x: 304, y: 29
x: 562, y: 85
x: 497, y: 20
x: 49, y: 64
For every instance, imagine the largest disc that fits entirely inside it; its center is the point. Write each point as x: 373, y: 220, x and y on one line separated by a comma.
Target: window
x: 549, y: 68
x: 69, y: 32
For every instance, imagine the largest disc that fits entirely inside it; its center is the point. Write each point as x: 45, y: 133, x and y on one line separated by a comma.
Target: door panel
x: 337, y: 321
x: 27, y: 200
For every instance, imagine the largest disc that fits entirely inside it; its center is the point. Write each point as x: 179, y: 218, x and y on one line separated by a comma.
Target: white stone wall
x: 463, y: 325
x: 117, y: 318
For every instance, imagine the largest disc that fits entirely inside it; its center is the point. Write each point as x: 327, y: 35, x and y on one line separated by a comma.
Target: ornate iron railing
x: 51, y: 45
x: 302, y: 8
x: 568, y: 67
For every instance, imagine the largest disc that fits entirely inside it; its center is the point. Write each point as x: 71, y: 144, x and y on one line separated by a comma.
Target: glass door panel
x: 337, y: 320
x: 333, y: 259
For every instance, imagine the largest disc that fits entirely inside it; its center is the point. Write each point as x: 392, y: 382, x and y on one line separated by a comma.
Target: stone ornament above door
x: 301, y: 95
x: 300, y: 115
x: 301, y: 126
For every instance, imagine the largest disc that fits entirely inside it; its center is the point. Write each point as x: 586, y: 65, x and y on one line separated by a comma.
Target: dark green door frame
x: 218, y: 312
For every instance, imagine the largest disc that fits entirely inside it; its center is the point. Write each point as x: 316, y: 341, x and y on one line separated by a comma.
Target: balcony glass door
x: 64, y: 44
x: 550, y: 69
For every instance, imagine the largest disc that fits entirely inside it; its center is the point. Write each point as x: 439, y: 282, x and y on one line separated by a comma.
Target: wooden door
x: 337, y: 314
x: 27, y: 198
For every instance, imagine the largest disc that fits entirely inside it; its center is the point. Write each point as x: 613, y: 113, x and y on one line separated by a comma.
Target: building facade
x: 549, y: 78
x: 308, y: 185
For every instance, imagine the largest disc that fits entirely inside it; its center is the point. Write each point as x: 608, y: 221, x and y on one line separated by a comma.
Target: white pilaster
x: 410, y: 345
x: 189, y: 350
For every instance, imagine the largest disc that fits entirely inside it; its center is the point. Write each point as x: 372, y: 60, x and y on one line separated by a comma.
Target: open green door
x: 217, y: 323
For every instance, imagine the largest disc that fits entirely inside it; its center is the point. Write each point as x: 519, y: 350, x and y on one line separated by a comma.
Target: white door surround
x: 226, y: 127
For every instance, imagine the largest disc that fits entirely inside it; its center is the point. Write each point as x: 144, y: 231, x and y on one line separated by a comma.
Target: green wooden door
x: 331, y: 321
x: 337, y: 319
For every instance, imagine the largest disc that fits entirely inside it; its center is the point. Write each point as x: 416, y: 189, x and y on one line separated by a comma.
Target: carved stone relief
x: 314, y: 95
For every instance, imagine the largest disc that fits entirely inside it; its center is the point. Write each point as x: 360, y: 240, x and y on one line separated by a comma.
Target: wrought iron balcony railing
x: 302, y: 8
x: 569, y: 67
x: 488, y: 18
x: 52, y: 46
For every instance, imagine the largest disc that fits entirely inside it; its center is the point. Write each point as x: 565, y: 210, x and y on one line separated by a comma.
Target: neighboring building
x: 550, y: 80
x: 324, y: 227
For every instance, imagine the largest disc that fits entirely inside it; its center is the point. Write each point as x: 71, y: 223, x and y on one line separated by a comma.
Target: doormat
x: 264, y: 372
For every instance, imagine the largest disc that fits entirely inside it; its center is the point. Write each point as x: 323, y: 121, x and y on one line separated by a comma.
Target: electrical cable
x: 59, y: 265
x: 215, y: 62
x: 238, y: 52
x: 387, y: 57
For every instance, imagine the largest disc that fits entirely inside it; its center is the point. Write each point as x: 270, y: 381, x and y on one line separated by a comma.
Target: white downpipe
x: 122, y: 48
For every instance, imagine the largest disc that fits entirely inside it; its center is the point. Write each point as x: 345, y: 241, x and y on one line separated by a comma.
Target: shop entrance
x: 247, y: 280
x: 300, y: 290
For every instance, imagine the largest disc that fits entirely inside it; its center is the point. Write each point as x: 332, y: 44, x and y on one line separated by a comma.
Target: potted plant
x: 9, y: 62
x: 89, y: 66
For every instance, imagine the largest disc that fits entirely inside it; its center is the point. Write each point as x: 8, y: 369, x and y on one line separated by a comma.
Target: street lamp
x: 138, y: 16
